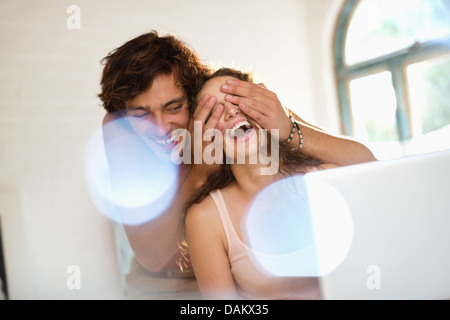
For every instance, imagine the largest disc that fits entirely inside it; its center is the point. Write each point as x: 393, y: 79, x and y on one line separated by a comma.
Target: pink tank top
x: 251, y: 281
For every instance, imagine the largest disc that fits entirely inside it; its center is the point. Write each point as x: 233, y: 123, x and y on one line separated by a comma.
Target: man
x: 154, y: 79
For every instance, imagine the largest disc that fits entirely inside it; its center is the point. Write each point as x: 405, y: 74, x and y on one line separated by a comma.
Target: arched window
x: 392, y: 61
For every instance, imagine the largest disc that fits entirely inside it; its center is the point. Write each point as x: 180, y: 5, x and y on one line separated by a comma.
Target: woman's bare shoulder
x: 203, y: 223
x: 202, y: 212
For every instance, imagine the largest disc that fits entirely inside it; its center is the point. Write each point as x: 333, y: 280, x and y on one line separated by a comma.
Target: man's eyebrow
x: 165, y: 105
x: 175, y: 100
x: 136, y: 108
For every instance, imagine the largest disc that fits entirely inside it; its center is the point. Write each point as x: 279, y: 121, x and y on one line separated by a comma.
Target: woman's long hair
x: 290, y: 163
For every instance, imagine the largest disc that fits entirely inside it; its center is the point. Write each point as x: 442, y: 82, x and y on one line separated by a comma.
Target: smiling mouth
x: 167, y: 142
x: 240, y: 130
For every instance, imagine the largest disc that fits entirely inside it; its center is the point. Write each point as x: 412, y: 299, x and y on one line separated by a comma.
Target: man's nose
x: 160, y: 126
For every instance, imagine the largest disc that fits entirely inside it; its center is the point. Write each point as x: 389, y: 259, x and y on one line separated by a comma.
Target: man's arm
x: 264, y: 107
x: 154, y: 243
x: 329, y: 148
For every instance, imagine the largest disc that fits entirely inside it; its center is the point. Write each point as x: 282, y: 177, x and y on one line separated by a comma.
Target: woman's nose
x: 231, y: 110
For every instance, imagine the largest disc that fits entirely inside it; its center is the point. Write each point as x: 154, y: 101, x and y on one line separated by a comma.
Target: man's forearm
x: 155, y: 243
x: 329, y: 148
x: 333, y: 149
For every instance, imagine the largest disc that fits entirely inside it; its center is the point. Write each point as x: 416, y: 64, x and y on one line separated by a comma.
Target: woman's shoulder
x: 203, y: 221
x: 202, y: 211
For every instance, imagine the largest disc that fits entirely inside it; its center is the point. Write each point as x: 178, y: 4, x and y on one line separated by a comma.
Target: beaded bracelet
x: 300, y: 135
x: 295, y: 127
x: 291, y: 136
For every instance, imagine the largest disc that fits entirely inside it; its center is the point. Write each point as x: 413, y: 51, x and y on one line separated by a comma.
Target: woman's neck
x: 250, y: 180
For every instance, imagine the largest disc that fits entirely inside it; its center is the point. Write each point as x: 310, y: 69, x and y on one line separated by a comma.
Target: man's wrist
x: 299, y: 146
x: 295, y: 139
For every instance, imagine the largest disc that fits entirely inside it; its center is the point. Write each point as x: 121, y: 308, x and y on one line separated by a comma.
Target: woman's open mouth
x: 241, y: 131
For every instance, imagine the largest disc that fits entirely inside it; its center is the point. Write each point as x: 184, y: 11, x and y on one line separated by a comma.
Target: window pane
x: 379, y: 27
x: 429, y: 88
x: 373, y: 105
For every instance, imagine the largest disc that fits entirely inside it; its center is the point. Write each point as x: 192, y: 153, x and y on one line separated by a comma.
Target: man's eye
x: 139, y: 115
x: 176, y: 108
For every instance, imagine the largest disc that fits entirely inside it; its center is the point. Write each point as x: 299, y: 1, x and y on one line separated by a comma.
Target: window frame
x: 395, y: 62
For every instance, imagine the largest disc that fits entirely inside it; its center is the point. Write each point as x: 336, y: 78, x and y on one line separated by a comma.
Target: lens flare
x: 297, y: 228
x: 333, y: 224
x: 128, y: 181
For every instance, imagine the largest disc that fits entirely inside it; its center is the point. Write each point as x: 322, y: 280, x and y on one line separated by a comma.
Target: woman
x: 221, y: 259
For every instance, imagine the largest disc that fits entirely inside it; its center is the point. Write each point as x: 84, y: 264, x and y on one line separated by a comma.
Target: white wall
x: 321, y: 23
x: 49, y: 78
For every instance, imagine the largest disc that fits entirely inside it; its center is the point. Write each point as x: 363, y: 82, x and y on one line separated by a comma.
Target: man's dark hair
x: 130, y: 69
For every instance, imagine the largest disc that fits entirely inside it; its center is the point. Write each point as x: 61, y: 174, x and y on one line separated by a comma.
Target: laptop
x: 398, y: 246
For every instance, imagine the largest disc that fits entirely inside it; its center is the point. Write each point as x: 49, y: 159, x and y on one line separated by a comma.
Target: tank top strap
x: 216, y: 195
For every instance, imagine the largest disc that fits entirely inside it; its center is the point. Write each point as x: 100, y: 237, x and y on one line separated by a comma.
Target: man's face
x: 156, y: 113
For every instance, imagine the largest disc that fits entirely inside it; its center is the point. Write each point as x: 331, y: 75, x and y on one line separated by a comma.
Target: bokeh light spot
x: 127, y: 180
x: 297, y: 228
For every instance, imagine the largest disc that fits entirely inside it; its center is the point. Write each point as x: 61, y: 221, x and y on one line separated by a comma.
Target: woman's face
x: 236, y: 130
